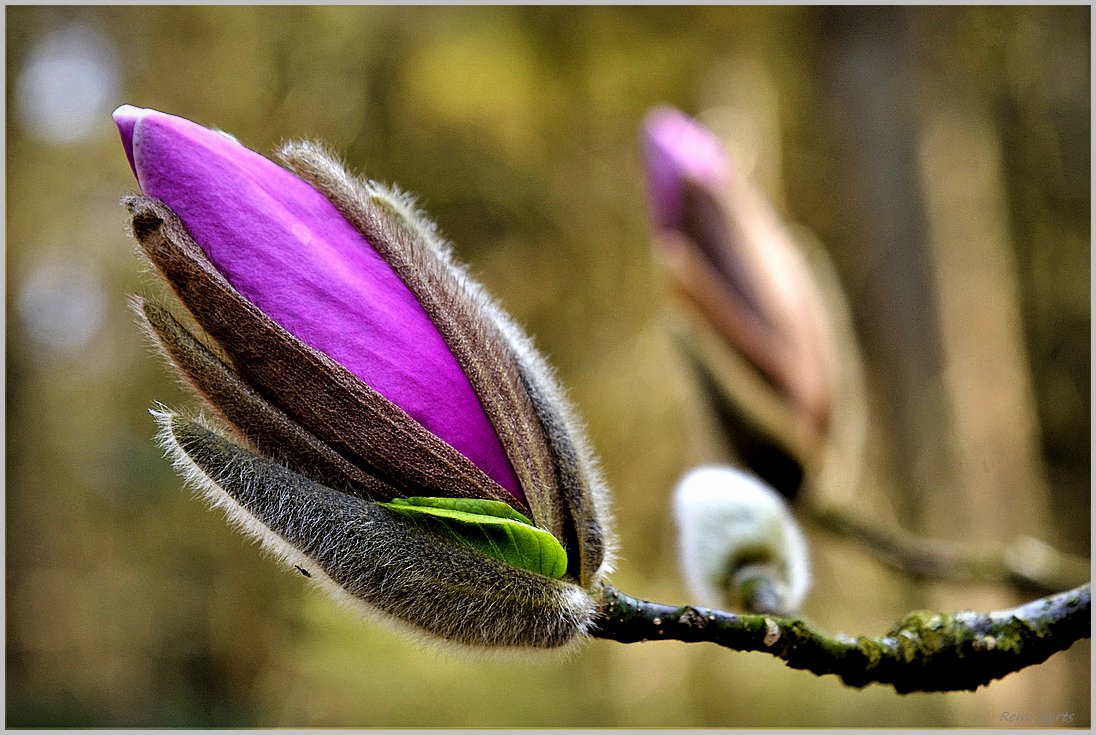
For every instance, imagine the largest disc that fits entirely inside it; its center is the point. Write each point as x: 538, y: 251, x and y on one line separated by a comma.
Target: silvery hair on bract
x: 372, y: 559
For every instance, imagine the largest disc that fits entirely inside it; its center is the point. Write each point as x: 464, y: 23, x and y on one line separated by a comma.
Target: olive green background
x: 129, y: 604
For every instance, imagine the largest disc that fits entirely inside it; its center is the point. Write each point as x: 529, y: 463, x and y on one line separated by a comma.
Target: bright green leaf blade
x: 500, y: 532
x: 467, y: 505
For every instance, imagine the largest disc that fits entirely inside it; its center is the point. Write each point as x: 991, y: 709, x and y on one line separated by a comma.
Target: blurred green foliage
x: 131, y: 605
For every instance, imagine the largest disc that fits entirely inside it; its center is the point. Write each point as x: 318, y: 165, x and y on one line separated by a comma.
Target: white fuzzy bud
x: 736, y: 537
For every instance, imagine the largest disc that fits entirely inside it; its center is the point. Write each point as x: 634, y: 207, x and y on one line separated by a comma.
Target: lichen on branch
x: 925, y: 652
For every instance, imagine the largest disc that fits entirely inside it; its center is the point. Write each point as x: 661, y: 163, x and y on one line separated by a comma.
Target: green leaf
x: 490, y: 527
x: 473, y: 506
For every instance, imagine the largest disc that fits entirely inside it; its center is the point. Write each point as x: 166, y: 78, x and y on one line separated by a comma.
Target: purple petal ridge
x: 286, y: 248
x: 126, y: 117
x: 676, y: 148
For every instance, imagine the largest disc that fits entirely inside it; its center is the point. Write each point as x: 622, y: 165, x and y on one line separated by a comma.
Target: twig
x: 1026, y: 563
x: 925, y: 652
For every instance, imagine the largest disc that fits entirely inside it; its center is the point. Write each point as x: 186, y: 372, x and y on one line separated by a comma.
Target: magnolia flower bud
x: 738, y: 543
x: 406, y: 445
x: 756, y: 325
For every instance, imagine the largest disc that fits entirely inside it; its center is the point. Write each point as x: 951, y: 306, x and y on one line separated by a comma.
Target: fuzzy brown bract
x: 373, y: 559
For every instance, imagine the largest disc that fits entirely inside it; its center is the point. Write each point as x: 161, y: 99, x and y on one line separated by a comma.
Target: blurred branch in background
x: 893, y: 297
x: 1025, y: 563
x: 937, y: 301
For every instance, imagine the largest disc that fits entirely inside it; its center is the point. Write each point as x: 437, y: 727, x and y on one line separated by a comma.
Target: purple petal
x: 676, y: 148
x: 687, y: 171
x: 286, y: 248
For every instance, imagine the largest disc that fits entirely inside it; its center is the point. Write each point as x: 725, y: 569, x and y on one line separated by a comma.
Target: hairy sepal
x: 265, y: 427
x: 382, y: 563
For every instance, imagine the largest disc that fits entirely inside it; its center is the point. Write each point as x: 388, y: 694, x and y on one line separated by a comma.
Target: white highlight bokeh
x: 62, y: 304
x: 68, y: 87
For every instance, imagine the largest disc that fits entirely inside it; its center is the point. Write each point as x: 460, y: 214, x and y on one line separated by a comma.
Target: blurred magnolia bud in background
x: 738, y: 544
x: 396, y: 437
x: 754, y: 316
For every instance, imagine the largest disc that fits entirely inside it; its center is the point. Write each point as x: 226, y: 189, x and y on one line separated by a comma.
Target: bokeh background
x: 941, y: 156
